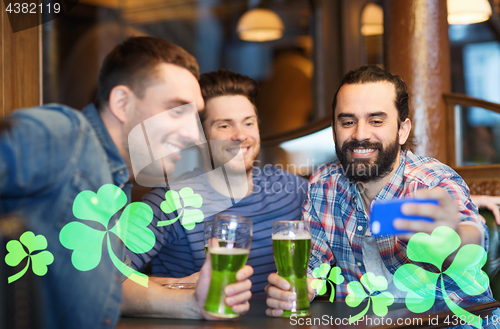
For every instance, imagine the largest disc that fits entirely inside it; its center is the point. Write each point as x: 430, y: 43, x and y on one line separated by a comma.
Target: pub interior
x: 450, y: 65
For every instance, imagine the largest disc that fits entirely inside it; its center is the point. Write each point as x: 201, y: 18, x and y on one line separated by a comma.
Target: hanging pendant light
x: 372, y: 20
x: 468, y: 11
x: 260, y: 25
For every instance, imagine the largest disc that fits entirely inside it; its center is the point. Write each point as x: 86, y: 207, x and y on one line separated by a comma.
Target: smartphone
x: 384, y: 212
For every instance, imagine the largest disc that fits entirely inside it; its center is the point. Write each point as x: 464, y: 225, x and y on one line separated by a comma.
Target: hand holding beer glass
x: 227, y: 258
x: 292, y: 249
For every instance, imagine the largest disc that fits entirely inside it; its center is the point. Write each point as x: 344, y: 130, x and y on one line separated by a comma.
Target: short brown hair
x: 224, y: 82
x: 133, y: 64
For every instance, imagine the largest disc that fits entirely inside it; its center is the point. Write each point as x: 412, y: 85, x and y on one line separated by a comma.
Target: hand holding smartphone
x: 384, y: 213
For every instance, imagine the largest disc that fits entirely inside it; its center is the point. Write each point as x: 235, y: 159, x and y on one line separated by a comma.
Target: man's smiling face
x: 367, y: 135
x: 174, y: 127
x: 231, y: 120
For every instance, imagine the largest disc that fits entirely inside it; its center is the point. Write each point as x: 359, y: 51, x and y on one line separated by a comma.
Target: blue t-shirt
x: 179, y: 252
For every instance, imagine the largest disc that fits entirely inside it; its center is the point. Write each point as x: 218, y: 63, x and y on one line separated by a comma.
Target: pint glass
x: 228, y: 257
x: 292, y: 249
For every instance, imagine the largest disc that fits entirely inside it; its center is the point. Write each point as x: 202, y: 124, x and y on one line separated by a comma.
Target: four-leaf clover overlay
x: 319, y: 282
x: 357, y: 292
x: 189, y: 216
x: 17, y: 253
x: 465, y: 271
x: 86, y: 241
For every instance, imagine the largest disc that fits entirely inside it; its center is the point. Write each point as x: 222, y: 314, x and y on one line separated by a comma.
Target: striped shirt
x: 179, y: 252
x: 335, y: 210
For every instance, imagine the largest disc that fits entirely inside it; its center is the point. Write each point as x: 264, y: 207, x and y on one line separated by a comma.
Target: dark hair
x: 373, y: 73
x: 133, y: 63
x: 224, y: 82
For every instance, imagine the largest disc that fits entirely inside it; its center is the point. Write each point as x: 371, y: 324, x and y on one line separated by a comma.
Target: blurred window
x: 475, y: 60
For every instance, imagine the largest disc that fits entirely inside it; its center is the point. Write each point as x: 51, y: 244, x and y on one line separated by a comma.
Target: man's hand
x: 490, y: 202
x: 279, y: 296
x: 237, y: 294
x: 444, y: 214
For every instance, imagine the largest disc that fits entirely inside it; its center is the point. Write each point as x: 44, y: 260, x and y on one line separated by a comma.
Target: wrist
x: 471, y: 232
x: 194, y: 308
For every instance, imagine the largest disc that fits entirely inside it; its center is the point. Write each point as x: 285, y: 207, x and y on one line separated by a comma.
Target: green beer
x: 225, y: 264
x: 292, y: 258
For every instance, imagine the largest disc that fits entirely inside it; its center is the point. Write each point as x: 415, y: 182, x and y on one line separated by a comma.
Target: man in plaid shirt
x: 371, y: 125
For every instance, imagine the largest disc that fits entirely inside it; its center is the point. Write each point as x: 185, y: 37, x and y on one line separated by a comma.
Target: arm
x: 164, y: 235
x: 445, y: 214
x: 157, y: 301
x: 490, y: 202
x: 30, y: 150
x: 193, y: 278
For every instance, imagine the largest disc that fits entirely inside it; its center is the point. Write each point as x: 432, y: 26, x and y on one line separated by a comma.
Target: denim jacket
x: 47, y: 158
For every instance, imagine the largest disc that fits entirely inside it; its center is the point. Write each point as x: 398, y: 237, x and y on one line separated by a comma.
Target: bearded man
x: 227, y: 183
x: 370, y: 126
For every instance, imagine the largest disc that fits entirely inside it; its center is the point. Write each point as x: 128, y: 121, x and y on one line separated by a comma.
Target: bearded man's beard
x: 365, y: 170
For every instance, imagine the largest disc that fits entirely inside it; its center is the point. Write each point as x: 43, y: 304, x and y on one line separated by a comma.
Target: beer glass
x: 235, y: 233
x: 292, y: 249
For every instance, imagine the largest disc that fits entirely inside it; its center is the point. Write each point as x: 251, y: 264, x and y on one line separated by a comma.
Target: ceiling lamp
x: 468, y: 11
x: 260, y: 25
x: 372, y: 20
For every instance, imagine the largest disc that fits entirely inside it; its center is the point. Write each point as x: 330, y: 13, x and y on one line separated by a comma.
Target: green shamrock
x: 86, y: 241
x: 319, y: 282
x: 465, y: 270
x: 357, y: 294
x: 17, y: 253
x: 173, y: 202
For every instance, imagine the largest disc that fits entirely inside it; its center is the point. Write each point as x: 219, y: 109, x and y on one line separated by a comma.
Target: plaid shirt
x: 335, y: 210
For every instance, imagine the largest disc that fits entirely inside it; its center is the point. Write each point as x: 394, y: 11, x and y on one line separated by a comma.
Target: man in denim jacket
x: 52, y: 153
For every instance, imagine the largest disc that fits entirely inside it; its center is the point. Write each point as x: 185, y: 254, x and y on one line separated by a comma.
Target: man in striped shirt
x: 265, y: 194
x: 371, y: 125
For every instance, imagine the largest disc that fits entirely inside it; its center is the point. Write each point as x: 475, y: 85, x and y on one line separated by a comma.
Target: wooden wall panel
x: 20, y: 69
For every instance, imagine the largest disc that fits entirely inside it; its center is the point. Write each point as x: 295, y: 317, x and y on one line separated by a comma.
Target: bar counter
x: 325, y: 315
